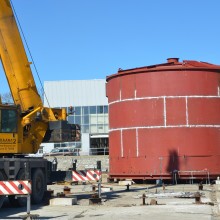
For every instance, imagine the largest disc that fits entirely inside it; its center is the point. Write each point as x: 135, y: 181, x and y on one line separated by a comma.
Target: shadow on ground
x: 7, y: 210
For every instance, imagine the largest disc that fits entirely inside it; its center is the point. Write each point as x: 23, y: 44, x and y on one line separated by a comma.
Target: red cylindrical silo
x: 165, y: 119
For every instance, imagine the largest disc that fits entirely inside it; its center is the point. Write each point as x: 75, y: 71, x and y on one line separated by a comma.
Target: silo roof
x: 172, y: 64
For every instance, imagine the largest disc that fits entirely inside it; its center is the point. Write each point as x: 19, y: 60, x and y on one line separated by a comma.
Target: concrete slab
x: 125, y: 182
x: 123, y: 204
x: 106, y: 189
x: 63, y: 201
x: 217, y: 182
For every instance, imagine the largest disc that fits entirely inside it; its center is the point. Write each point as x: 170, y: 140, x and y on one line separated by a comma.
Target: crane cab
x: 8, y: 129
x: 8, y: 119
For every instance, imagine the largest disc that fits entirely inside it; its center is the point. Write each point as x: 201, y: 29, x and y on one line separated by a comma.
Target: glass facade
x: 93, y: 119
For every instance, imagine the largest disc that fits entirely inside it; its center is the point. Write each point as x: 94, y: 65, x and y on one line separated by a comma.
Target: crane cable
x: 22, y: 33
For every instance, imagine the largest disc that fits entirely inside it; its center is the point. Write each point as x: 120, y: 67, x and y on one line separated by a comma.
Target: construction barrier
x: 86, y: 175
x: 15, y: 187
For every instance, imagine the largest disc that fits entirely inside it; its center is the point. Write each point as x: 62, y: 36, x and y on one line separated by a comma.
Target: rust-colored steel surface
x: 165, y: 121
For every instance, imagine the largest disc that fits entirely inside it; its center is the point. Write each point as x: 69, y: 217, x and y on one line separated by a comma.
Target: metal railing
x: 99, y: 151
x: 192, y: 174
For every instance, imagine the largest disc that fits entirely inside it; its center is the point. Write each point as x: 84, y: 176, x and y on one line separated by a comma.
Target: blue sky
x: 90, y: 39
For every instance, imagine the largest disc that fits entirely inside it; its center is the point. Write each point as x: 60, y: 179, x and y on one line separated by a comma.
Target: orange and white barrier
x: 86, y: 175
x: 15, y: 187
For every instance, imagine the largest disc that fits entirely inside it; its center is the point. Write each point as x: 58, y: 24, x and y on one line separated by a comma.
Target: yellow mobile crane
x: 27, y: 123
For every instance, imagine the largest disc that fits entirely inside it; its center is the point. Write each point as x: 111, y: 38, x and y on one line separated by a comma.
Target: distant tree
x: 7, y: 98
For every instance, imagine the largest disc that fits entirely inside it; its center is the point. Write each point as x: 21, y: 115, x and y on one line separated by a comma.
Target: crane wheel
x: 38, y: 186
x: 2, y: 198
x: 19, y: 201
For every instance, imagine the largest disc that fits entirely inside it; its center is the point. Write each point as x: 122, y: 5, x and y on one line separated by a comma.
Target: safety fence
x: 86, y: 175
x: 18, y: 187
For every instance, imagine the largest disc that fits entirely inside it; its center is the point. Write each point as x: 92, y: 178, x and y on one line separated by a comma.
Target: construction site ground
x: 162, y: 202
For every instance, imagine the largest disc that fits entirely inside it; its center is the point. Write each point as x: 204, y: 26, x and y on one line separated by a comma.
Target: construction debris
x: 153, y: 202
x: 66, y: 190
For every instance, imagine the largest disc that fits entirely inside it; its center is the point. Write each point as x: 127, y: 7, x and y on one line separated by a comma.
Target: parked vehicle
x: 62, y: 151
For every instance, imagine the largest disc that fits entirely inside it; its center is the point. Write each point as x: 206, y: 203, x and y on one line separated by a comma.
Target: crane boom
x: 15, y: 62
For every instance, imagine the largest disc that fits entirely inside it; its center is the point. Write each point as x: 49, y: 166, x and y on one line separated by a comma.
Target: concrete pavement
x: 122, y: 204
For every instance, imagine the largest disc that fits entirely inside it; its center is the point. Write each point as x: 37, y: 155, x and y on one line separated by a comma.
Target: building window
x: 93, y: 119
x: 100, y: 109
x: 85, y: 119
x: 77, y: 110
x: 78, y: 120
x: 93, y: 128
x: 105, y: 109
x: 92, y: 109
x: 60, y: 145
x: 85, y: 110
x: 99, y: 146
x: 71, y: 119
x: 100, y: 119
x: 101, y: 129
x: 105, y: 118
x: 106, y: 129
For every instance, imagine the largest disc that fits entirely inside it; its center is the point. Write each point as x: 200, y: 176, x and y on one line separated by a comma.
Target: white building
x: 90, y: 108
